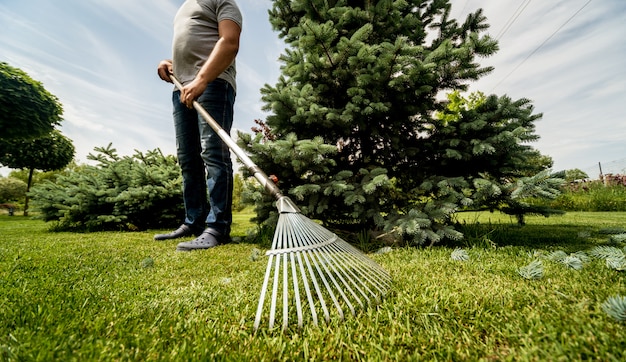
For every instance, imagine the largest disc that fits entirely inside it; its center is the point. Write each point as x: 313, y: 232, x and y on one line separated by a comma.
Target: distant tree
x: 50, y: 152
x: 27, y: 109
x: 41, y: 176
x: 575, y: 174
x: 238, y: 184
x: 359, y: 132
x: 11, y: 189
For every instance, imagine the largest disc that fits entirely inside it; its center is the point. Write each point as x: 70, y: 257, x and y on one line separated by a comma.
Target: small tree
x: 51, y: 152
x: 360, y: 134
x: 28, y: 109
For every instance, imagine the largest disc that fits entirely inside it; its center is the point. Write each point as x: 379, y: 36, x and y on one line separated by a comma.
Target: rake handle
x: 265, y: 181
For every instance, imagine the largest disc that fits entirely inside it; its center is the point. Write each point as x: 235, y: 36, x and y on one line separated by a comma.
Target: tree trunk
x: 30, y: 180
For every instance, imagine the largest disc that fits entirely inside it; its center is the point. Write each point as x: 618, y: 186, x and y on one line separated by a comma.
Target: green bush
x: 11, y: 190
x: 119, y: 193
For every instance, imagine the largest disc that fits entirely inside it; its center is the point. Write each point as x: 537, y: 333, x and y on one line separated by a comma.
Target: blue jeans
x: 205, y: 160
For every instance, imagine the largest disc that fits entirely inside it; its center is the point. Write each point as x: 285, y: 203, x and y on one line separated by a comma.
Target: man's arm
x: 220, y: 59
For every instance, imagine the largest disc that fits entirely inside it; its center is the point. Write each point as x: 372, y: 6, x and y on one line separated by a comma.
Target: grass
x: 571, y: 232
x: 592, y: 197
x: 122, y: 296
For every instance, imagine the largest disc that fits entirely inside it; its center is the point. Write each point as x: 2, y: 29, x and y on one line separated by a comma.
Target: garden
x: 371, y: 131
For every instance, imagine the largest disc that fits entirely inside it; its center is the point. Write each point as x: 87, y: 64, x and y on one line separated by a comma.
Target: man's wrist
x: 202, y: 79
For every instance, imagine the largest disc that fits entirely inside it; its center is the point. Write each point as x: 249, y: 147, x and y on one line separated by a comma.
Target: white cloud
x: 573, y: 78
x: 153, y: 17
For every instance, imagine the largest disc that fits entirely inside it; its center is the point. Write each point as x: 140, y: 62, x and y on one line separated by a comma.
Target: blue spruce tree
x: 359, y: 133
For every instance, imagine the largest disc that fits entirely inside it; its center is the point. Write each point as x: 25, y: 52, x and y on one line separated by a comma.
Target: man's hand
x: 165, y: 69
x: 192, y: 91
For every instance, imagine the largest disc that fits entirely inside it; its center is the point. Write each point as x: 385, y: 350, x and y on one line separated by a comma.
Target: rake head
x: 310, y: 269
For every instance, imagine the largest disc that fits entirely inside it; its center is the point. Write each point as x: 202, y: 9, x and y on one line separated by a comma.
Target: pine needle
x: 615, y: 307
x: 558, y: 255
x: 459, y: 255
x: 618, y: 238
x: 582, y: 256
x: 604, y: 252
x: 384, y: 250
x: 573, y: 262
x: 616, y: 262
x: 147, y: 263
x: 532, y: 271
x: 255, y: 254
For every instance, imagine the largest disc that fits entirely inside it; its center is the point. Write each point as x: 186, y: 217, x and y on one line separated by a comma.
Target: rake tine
x: 373, y: 283
x: 307, y: 289
x: 259, y: 309
x: 346, y: 255
x: 354, y: 254
x: 274, y: 292
x: 308, y: 258
x: 268, y: 272
x: 295, y: 282
x: 285, y: 292
x: 335, y: 268
x: 353, y: 269
x: 318, y: 290
x: 327, y: 261
x: 358, y: 268
x: 329, y: 275
x: 306, y: 241
x: 305, y: 265
x: 344, y: 264
x: 350, y: 277
x: 329, y: 289
x: 349, y: 268
x: 305, y: 282
x: 339, y: 271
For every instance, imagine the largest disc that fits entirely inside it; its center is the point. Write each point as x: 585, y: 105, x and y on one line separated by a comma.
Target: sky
x: 99, y: 57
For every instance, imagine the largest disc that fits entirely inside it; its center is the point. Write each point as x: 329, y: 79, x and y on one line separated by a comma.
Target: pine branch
x: 615, y: 307
x: 459, y: 255
x: 533, y: 270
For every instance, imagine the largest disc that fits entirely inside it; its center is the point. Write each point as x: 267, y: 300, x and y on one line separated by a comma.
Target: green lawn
x: 123, y: 296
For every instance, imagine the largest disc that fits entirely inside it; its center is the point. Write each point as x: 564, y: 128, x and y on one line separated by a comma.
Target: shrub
x: 587, y: 196
x: 119, y: 193
x: 592, y: 197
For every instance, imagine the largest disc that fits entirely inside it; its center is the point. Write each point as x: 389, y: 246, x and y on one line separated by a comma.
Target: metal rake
x: 308, y: 265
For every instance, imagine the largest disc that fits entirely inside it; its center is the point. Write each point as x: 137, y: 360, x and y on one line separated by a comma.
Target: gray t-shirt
x: 195, y: 36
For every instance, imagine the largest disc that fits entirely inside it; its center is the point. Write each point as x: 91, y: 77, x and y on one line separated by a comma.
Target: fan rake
x: 308, y: 265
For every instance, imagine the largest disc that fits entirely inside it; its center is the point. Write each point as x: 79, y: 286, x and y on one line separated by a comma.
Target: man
x: 205, y: 44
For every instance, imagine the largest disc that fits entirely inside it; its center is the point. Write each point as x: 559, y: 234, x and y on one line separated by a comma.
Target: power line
x: 614, y: 167
x: 512, y: 19
x: 541, y: 45
x: 464, y: 7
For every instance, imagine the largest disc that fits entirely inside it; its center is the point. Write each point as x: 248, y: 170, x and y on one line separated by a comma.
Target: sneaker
x: 183, y: 231
x: 210, y: 238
